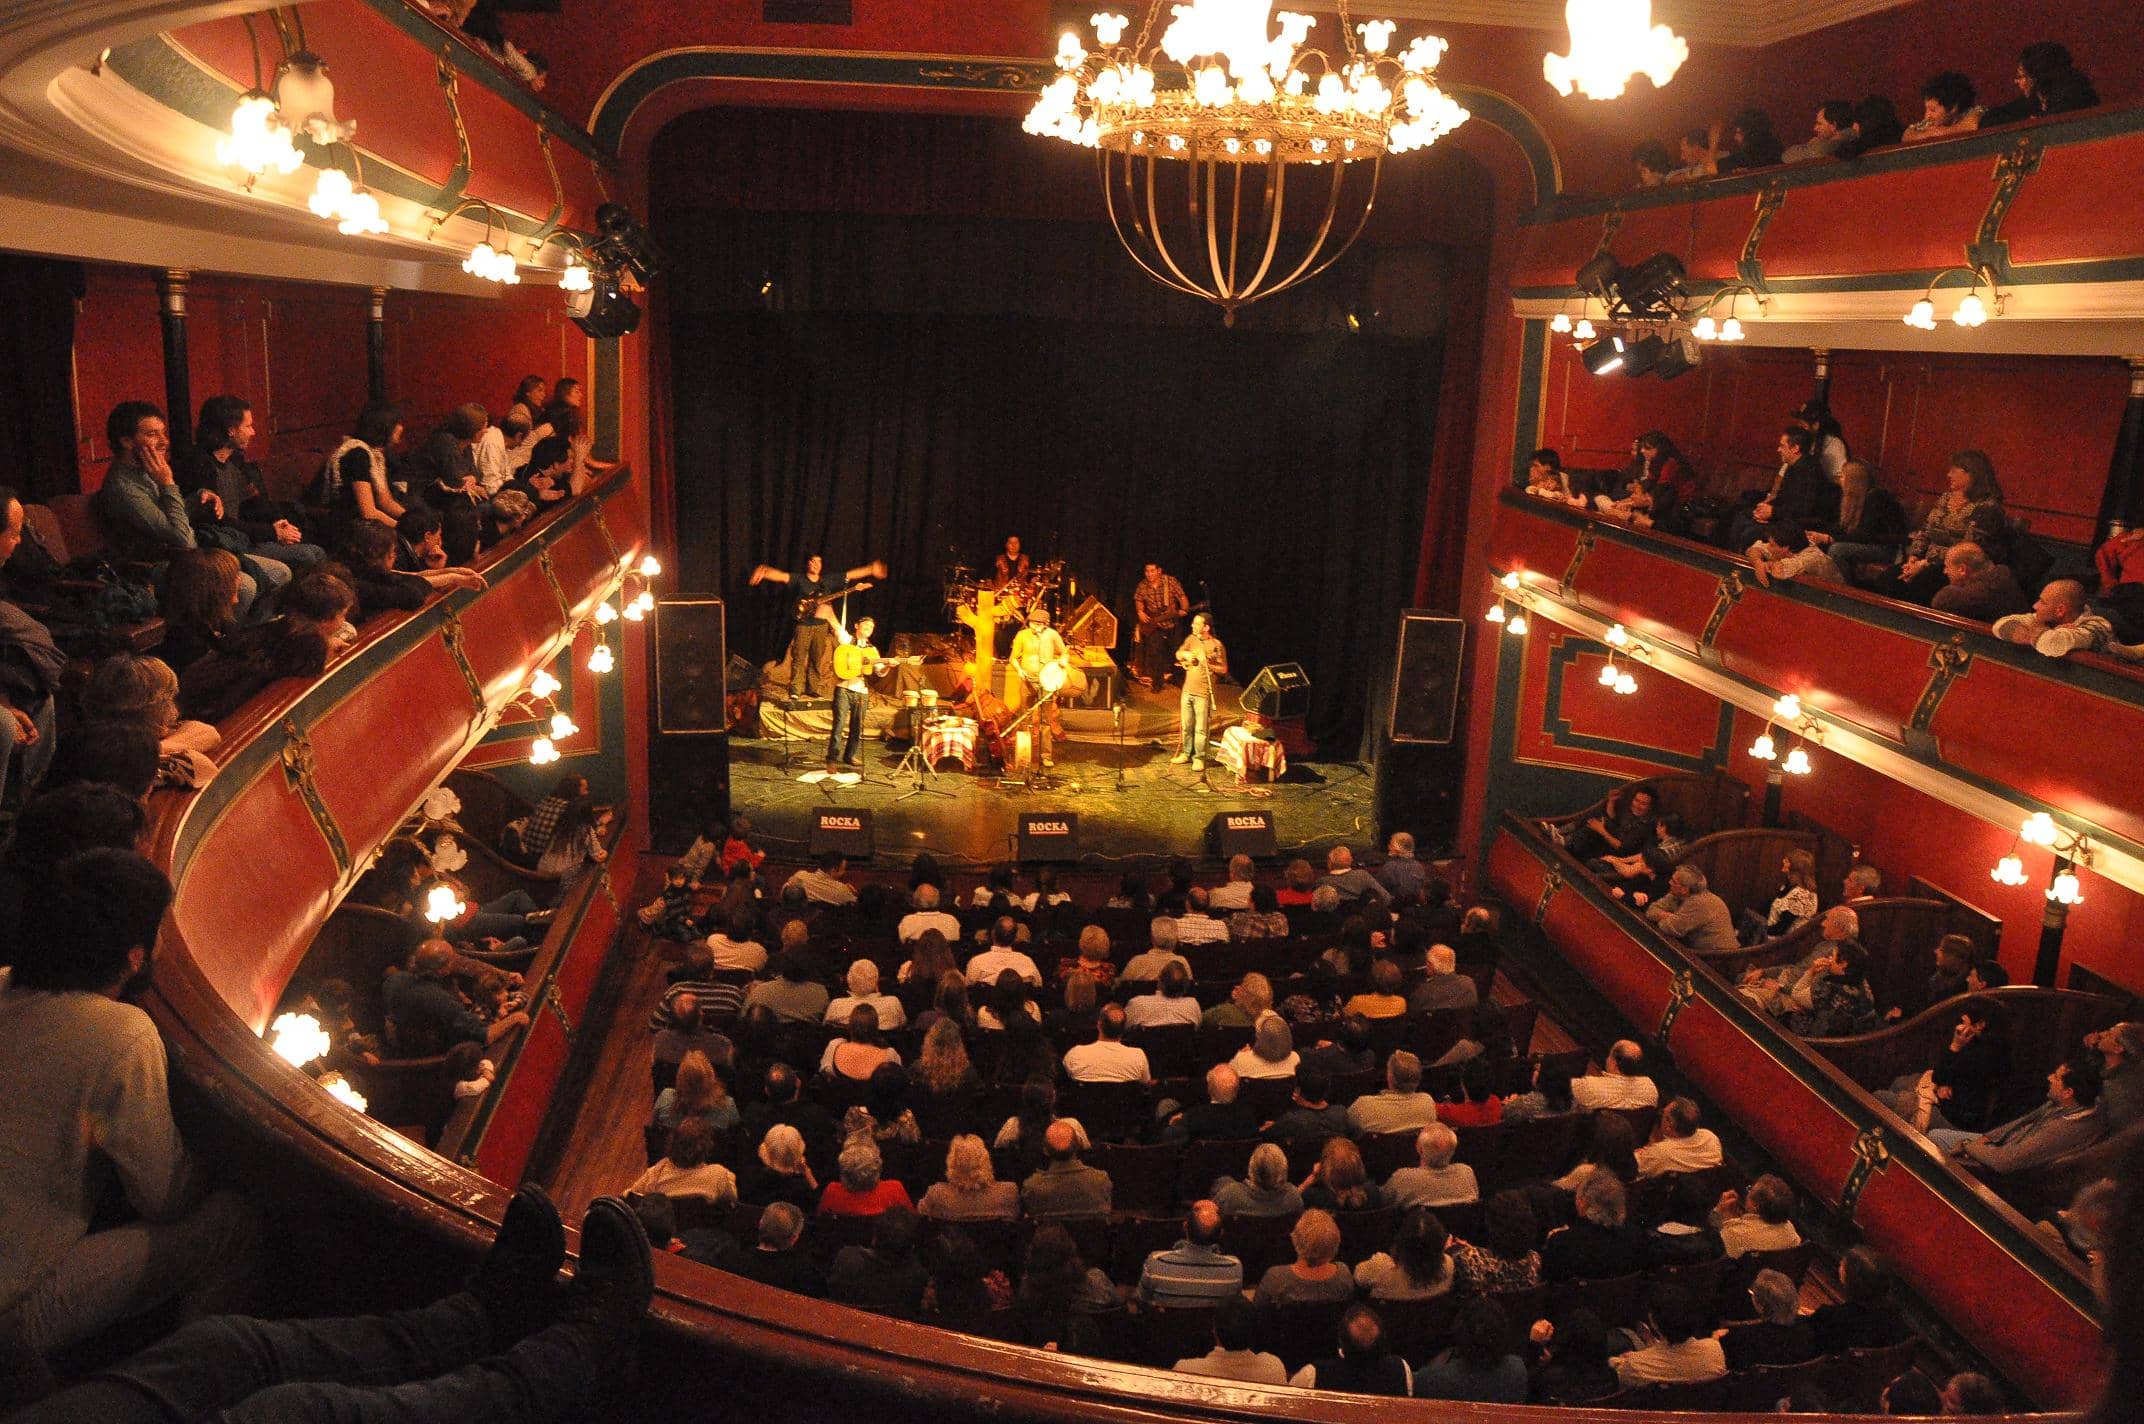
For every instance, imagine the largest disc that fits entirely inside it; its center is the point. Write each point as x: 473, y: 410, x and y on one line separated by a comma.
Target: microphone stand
x: 1117, y: 712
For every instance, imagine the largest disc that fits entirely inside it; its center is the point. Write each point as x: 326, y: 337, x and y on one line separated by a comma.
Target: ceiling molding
x: 1745, y: 24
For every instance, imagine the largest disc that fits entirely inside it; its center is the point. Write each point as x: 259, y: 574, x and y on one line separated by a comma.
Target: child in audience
x: 737, y: 847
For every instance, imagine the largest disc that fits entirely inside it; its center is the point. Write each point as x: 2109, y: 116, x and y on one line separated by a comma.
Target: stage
x: 968, y: 818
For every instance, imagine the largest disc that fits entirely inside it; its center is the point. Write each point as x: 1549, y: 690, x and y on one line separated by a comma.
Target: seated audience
x: 1234, y: 1356
x: 1829, y: 999
x: 1870, y: 526
x: 1195, y: 1271
x: 2048, y: 82
x: 1865, y: 1317
x: 1683, y: 1145
x: 1197, y: 924
x: 1800, y: 492
x: 298, y: 643
x: 1064, y: 1185
x: 1693, y: 157
x: 1612, y: 1150
x: 775, y: 1260
x: 427, y: 1014
x: 1147, y: 965
x: 577, y: 844
x: 1976, y: 587
x: 70, y: 1044
x: 1271, y: 1051
x: 697, y: 1092
x: 1750, y: 143
x: 780, y: 1173
x: 1265, y: 1189
x: 971, y: 1190
x: 926, y: 916
x: 1653, y: 163
x: 1792, y: 907
x: 1546, y: 478
x: 792, y: 996
x: 1643, y: 877
x: 1382, y: 1000
x: 1969, y: 489
x: 1437, y: 1180
x: 860, y: 1051
x: 1876, y: 125
x: 1363, y: 1364
x: 1170, y: 1003
x: 2060, y: 623
x: 1829, y: 132
x: 1415, y: 1266
x: 1221, y: 1118
x: 1002, y: 955
x: 1600, y: 1244
x: 1692, y: 915
x: 1263, y: 920
x: 1091, y: 963
x: 1970, y: 1392
x: 1402, y: 875
x: 1658, y: 488
x: 1476, y: 1103
x: 863, y: 991
x: 1956, y: 1093
x: 199, y: 602
x: 1443, y: 987
x: 1480, y: 1366
x: 1679, y: 1353
x: 733, y: 946
x: 1402, y: 1105
x: 1246, y: 1004
x: 1785, y: 551
x: 688, y: 1168
x: 861, y: 1190
x: 1947, y: 108
x: 368, y: 551
x: 1108, y: 1059
x: 1506, y: 1259
x: 1349, y: 881
x: 1574, y: 1367
x: 2068, y: 1119
x: 1622, y: 1084
x: 1551, y: 1094
x: 1761, y: 1221
x: 1310, y: 1116
x: 822, y: 884
x: 1313, y: 1275
x: 886, y: 1274
x: 1778, y: 1336
x: 2121, y: 1087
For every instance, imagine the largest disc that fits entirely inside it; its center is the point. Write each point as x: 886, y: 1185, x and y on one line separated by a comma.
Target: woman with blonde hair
x: 144, y: 691
x: 1792, y: 907
x: 1313, y: 1276
x: 971, y: 1190
x: 1340, y: 1181
x: 698, y: 1092
x: 1092, y: 961
x: 1871, y: 524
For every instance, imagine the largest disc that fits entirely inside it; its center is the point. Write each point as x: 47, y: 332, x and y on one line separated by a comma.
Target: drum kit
x: 934, y: 735
x: 1045, y: 585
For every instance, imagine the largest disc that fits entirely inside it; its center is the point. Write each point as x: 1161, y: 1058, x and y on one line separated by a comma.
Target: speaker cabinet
x: 1233, y: 833
x: 1418, y: 792
x: 691, y: 657
x: 841, y: 829
x: 1425, y: 678
x: 1047, y: 836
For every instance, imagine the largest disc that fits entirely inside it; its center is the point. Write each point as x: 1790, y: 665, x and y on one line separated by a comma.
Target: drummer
x: 1011, y: 566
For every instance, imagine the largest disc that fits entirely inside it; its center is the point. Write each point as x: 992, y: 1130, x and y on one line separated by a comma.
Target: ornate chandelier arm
x: 1156, y: 233
x: 1301, y: 274
x: 1116, y: 220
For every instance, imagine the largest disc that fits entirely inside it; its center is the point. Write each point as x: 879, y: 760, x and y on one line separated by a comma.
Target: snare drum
x: 928, y: 698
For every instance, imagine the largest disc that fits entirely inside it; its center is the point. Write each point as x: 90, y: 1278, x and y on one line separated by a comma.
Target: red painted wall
x: 297, y: 352
x: 2048, y: 422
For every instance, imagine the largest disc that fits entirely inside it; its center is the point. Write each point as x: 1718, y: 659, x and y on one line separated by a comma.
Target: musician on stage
x: 1203, y: 659
x: 811, y: 646
x: 1038, y: 647
x: 852, y: 695
x: 1160, y: 606
x: 1012, y: 565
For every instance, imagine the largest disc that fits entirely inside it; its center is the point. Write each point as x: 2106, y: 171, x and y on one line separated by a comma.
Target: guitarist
x: 811, y: 646
x: 851, y: 695
x: 1037, y: 647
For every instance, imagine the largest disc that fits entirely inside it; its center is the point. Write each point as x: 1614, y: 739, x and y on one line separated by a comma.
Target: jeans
x: 412, y: 1367
x: 1197, y: 713
x: 1849, y: 556
x: 36, y: 756
x: 849, y: 713
x: 1950, y: 1139
x: 295, y: 557
x: 502, y: 918
x: 205, y: 1258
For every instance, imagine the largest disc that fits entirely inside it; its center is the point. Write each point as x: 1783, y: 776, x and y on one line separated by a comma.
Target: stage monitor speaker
x: 842, y: 830
x: 1233, y: 833
x: 691, y: 656
x: 1425, y: 678
x: 1279, y: 692
x: 1048, y: 836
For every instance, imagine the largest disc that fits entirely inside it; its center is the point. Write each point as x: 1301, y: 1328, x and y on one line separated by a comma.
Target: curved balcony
x: 1954, y: 1242
x: 1928, y: 699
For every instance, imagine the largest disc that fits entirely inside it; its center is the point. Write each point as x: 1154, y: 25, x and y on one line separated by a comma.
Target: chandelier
x: 1610, y: 41
x: 1200, y: 132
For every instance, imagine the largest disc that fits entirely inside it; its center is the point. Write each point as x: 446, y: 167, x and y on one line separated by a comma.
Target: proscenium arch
x: 971, y: 74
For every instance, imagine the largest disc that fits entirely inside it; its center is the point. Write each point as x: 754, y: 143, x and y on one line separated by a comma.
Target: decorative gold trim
x: 610, y: 541
x: 610, y: 892
x: 558, y: 590
x: 1549, y: 887
x: 1611, y: 224
x: 1729, y: 593
x: 1681, y: 990
x: 298, y: 774
x: 450, y: 633
x: 450, y: 85
x: 1949, y: 662
x: 1987, y: 250
x: 1872, y: 1154
x: 556, y: 1003
x: 1770, y: 200
x: 1588, y: 535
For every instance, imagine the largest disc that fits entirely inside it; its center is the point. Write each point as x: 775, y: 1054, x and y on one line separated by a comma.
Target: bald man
x: 1195, y: 1271
x: 2059, y: 623
x: 1065, y: 1186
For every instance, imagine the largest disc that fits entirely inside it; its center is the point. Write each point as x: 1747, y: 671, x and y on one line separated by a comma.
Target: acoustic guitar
x: 850, y: 662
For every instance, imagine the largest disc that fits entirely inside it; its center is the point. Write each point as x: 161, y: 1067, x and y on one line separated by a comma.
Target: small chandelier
x: 1213, y: 119
x: 1610, y: 41
x: 259, y: 140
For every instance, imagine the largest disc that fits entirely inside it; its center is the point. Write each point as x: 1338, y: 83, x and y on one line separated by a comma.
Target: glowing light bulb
x: 606, y: 612
x: 1511, y: 579
x: 646, y: 601
x: 650, y: 566
x: 1731, y: 329
x: 634, y: 613
x: 1706, y: 329
x: 543, y: 684
x: 1625, y: 684
x: 1797, y: 763
x: 1496, y: 613
x: 562, y: 726
x: 330, y: 193
x: 1108, y: 28
x: 340, y: 1089
x: 258, y: 140
x: 1923, y: 315
x: 1617, y: 637
x: 1516, y: 626
x: 298, y: 1039
x: 1787, y: 708
x: 361, y: 215
x: 1763, y: 749
x: 1560, y: 324
x: 1971, y: 312
x: 2010, y: 870
x: 2067, y: 889
x: 2039, y: 829
x: 542, y: 752
x: 600, y: 660
x: 1584, y: 330
x: 576, y: 277
x: 441, y: 904
x: 1608, y: 675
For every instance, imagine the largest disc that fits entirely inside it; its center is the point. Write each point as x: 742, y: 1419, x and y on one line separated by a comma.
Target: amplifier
x: 1048, y: 836
x: 847, y: 832
x: 1250, y: 833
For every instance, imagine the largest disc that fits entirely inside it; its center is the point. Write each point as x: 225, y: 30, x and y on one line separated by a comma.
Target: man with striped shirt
x: 1194, y: 1272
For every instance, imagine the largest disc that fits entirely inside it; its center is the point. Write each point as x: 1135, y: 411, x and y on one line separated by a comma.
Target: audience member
x: 861, y: 1190
x: 1195, y: 1271
x: 1976, y: 587
x: 1970, y: 1392
x: 1382, y: 1000
x: 1197, y: 924
x: 696, y: 1092
x: 688, y: 1168
x: 1065, y: 1186
x: 31, y: 665
x: 1623, y: 1083
x: 1600, y: 1244
x: 1476, y: 1103
x: 1750, y: 143
x: 1506, y: 1259
x: 2068, y: 1119
x: 1234, y: 1356
x: 577, y: 844
x: 1271, y: 1051
x: 1876, y: 125
x: 1653, y: 163
x: 1170, y: 1003
x: 1002, y: 955
x: 823, y: 885
x: 1108, y: 1059
x: 1871, y: 526
x: 1785, y: 551
x: 1415, y: 1266
x: 926, y: 916
x: 971, y: 1190
x: 2060, y: 623
x: 1436, y: 1180
x: 780, y: 1172
x: 1221, y: 1118
x: 1551, y: 1094
x: 1363, y: 1364
x: 1350, y: 882
x: 1444, y: 987
x: 1314, y: 1275
x: 1865, y: 1317
x: 1829, y: 132
x: 1480, y: 1366
x: 792, y: 996
x: 1969, y: 489
x: 1678, y: 1352
x: 1764, y: 1224
x: 1778, y: 1335
x: 1683, y: 1146
x: 886, y: 1274
x: 775, y: 1260
x: 1401, y: 1107
x: 299, y: 643
x: 1339, y: 1181
x: 1310, y: 1115
x: 426, y: 1013
x: 1574, y: 1366
x: 1947, y: 108
x: 1800, y: 492
x: 1264, y: 1190
x: 1692, y: 915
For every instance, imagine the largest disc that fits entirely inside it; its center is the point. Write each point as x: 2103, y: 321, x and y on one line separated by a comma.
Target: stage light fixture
x: 1643, y: 356
x: 1604, y: 356
x: 1682, y: 356
x: 1599, y: 276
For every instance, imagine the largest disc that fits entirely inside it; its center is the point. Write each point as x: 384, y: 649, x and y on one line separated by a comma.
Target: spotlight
x: 1643, y: 356
x: 1600, y: 276
x: 603, y: 309
x: 1604, y: 355
x: 1654, y: 285
x: 1681, y: 356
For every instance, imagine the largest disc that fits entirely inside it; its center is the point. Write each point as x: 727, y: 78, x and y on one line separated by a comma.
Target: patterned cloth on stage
x: 949, y: 737
x: 1240, y: 752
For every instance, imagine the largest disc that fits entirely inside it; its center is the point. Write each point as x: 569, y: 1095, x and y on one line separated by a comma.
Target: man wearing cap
x: 1037, y: 647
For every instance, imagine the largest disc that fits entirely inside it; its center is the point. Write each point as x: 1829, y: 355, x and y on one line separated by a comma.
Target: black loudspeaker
x: 1418, y: 792
x: 688, y: 786
x: 1048, y: 835
x: 1250, y: 833
x: 1279, y: 691
x: 836, y: 829
x: 1425, y: 678
x: 691, y: 653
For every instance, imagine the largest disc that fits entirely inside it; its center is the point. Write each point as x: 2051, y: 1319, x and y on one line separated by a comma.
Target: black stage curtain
x: 37, y: 450
x: 1284, y: 463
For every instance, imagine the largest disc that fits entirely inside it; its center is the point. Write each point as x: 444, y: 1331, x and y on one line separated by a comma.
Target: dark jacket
x: 791, y: 1270
x: 243, y: 664
x: 1764, y: 1343
x: 862, y: 1277
x: 1806, y: 494
x: 1852, y: 1325
x: 1585, y: 1251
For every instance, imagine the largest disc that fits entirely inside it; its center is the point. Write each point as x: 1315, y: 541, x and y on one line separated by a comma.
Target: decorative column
x: 376, y: 345
x: 171, y: 286
x: 1822, y: 392
x: 2123, y: 506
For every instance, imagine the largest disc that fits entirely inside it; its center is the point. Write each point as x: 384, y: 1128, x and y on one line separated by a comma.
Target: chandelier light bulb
x: 1108, y: 28
x: 339, y: 1088
x: 258, y: 140
x: 606, y: 612
x: 1625, y: 684
x: 1516, y: 625
x: 1797, y: 762
x: 361, y: 215
x: 543, y: 684
x: 1511, y: 580
x: 441, y: 904
x: 650, y: 566
x: 2039, y: 829
x: 576, y: 277
x: 1608, y: 674
x: 600, y: 660
x: 1496, y: 613
x: 1787, y: 708
x: 1731, y: 329
x: 2067, y: 889
x: 562, y: 726
x: 1972, y: 312
x: 1611, y: 40
x: 1560, y: 324
x: 1763, y: 749
x: 330, y: 193
x: 1618, y: 637
x: 1583, y: 331
x: 1923, y: 315
x: 634, y: 613
x: 1705, y: 329
x: 298, y: 1039
x: 542, y: 752
x: 646, y: 601
x: 2010, y: 870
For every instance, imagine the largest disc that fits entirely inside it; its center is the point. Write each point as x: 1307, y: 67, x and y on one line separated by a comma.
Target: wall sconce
x: 2065, y: 887
x: 539, y: 701
x: 1972, y: 312
x: 1704, y: 329
x: 298, y: 1039
x: 600, y: 661
x: 258, y: 141
x: 305, y: 99
x: 493, y: 264
x: 442, y: 905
